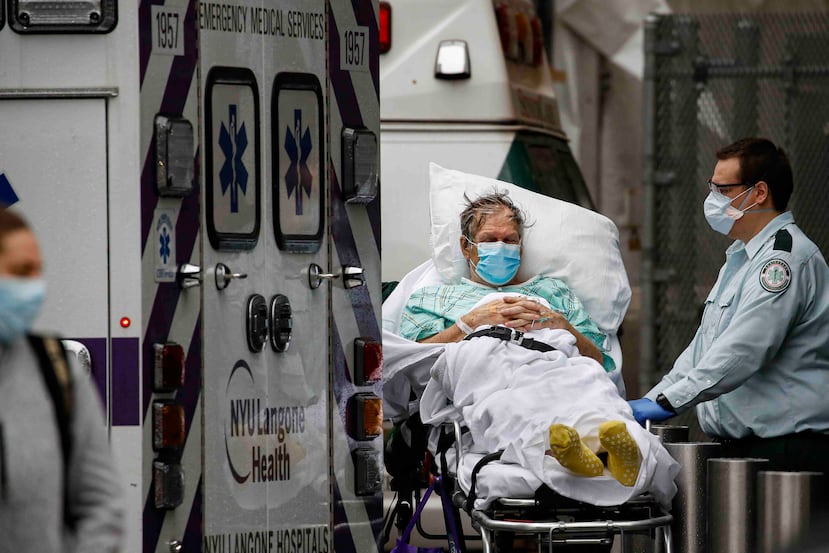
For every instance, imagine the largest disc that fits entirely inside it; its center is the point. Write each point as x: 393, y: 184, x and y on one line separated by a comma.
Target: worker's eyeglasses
x: 723, y: 188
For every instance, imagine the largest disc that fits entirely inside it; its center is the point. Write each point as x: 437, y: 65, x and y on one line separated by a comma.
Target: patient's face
x: 497, y: 227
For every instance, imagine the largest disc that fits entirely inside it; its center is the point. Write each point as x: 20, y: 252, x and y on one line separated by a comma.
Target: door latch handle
x: 352, y: 276
x: 224, y: 275
x: 316, y: 276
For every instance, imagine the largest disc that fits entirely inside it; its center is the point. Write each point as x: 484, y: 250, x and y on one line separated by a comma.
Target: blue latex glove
x: 645, y: 409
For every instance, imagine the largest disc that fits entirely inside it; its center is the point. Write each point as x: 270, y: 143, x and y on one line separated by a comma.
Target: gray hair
x: 477, y: 210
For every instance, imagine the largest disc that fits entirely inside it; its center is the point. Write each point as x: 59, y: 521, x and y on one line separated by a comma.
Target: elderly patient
x: 491, y: 231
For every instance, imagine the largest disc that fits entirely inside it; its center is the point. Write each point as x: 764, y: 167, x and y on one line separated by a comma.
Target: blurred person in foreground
x: 59, y: 491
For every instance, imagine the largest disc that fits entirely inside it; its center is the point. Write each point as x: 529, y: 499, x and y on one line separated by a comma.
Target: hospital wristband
x: 465, y: 328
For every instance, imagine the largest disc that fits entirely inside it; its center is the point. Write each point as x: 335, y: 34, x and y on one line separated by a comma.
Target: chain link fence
x: 710, y: 80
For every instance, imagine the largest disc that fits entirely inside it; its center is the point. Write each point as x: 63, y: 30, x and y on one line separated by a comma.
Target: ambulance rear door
x: 266, y: 481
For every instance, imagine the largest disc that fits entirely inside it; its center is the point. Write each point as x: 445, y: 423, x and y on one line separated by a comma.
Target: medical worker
x: 757, y: 369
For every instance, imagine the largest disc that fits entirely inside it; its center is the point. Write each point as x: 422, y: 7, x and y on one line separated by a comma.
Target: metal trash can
x: 689, y: 504
x: 732, y: 487
x: 786, y: 503
x: 669, y: 434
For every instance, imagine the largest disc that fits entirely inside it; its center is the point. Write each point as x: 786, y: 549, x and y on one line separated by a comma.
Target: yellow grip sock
x: 566, y: 447
x: 623, y: 456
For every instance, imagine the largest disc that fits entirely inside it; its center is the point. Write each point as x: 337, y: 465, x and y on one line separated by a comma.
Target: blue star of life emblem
x: 164, y: 240
x: 298, y: 177
x: 233, y: 142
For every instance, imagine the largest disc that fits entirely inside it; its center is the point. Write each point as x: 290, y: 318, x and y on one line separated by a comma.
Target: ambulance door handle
x: 352, y: 276
x: 189, y: 275
x: 316, y: 276
x: 224, y: 275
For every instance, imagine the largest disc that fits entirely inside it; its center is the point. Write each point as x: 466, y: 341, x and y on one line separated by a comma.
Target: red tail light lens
x: 385, y: 27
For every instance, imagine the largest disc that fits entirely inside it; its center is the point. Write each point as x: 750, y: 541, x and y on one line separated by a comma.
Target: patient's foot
x: 566, y: 446
x: 623, y: 457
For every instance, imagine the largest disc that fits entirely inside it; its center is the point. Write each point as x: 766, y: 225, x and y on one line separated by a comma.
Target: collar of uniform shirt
x: 764, y: 235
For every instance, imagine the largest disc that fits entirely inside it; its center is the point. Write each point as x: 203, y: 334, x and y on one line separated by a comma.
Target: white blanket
x: 508, y: 396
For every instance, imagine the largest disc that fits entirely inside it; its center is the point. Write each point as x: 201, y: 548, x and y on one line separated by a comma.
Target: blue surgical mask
x: 20, y: 301
x: 497, y: 262
x: 719, y: 212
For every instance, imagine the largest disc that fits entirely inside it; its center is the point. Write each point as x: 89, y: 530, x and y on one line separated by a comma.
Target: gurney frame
x: 558, y: 523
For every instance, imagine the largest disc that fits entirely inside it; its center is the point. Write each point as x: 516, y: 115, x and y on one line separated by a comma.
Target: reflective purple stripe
x: 179, y: 82
x: 346, y: 246
x: 341, y: 81
x: 193, y: 531
x: 159, y: 320
x: 125, y: 374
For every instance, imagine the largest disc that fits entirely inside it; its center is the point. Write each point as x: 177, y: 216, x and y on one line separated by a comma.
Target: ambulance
x: 466, y: 85
x: 203, y: 178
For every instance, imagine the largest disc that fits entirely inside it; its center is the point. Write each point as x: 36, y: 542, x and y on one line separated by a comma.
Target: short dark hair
x: 761, y: 160
x: 10, y: 222
x: 477, y: 210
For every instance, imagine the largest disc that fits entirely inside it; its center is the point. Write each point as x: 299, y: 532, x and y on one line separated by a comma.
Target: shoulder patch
x: 775, y: 275
x: 783, y: 241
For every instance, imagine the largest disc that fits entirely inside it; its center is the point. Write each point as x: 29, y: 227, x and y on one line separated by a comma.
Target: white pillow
x: 564, y: 241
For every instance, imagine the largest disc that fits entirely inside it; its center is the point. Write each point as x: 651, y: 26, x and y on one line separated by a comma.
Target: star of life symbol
x: 164, y: 242
x: 298, y: 178
x: 233, y: 174
x: 775, y: 275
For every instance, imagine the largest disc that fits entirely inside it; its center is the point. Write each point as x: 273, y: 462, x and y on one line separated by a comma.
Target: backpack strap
x: 54, y: 368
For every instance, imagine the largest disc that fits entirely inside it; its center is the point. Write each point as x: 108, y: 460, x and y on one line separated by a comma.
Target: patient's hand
x: 513, y: 312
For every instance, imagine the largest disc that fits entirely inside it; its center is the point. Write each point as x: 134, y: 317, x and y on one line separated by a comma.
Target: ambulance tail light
x: 522, y: 35
x: 522, y: 26
x: 168, y: 484
x: 507, y: 30
x: 168, y: 425
x: 360, y: 162
x: 364, y: 418
x: 385, y: 28
x: 537, y: 41
x: 368, y: 477
x: 168, y: 367
x: 62, y: 16
x: 368, y: 361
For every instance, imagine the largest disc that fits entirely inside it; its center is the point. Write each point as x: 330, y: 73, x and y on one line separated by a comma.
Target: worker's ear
x: 761, y: 192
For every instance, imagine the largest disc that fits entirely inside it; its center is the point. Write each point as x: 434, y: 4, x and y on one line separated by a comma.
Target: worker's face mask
x: 20, y: 301
x: 497, y: 262
x: 719, y: 212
